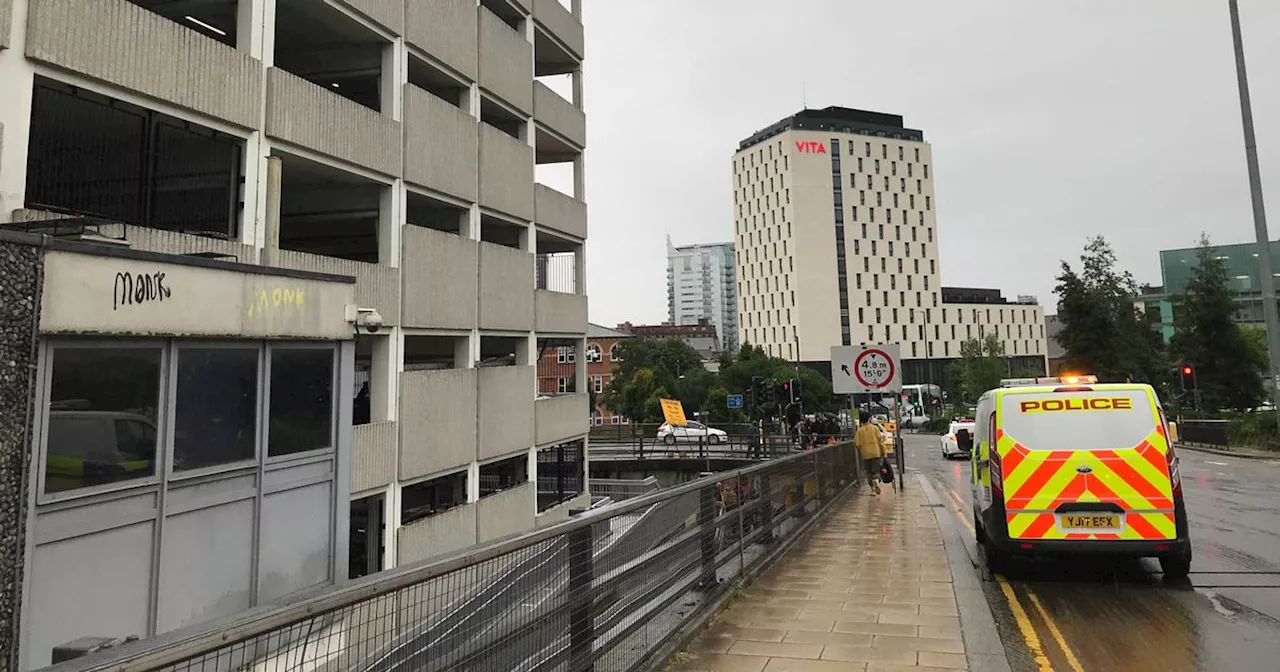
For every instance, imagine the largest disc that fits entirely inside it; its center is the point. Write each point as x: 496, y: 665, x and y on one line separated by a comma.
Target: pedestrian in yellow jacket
x: 870, y: 446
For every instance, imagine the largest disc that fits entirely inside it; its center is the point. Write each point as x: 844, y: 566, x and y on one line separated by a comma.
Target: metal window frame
x: 271, y: 348
x: 45, y: 361
x: 259, y: 420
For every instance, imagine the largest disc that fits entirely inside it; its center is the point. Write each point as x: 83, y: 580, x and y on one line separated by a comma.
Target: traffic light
x: 757, y: 391
x: 1187, y: 374
x: 787, y: 393
x: 773, y: 391
x: 795, y: 389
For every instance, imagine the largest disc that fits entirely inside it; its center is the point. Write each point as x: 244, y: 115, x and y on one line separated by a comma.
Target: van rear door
x: 1085, y: 463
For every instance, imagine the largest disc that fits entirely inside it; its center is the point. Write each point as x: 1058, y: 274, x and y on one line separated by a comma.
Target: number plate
x: 1107, y: 521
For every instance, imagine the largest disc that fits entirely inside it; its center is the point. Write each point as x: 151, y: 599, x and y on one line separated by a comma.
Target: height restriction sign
x: 869, y: 369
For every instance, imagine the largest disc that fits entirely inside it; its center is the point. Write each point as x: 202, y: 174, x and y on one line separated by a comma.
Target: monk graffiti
x: 275, y: 299
x: 133, y: 289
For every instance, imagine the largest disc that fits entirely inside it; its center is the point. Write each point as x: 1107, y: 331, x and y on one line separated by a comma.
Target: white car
x: 693, y: 432
x: 958, y: 441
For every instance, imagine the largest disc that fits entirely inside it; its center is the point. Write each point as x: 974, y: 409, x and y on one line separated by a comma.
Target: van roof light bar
x: 1052, y: 380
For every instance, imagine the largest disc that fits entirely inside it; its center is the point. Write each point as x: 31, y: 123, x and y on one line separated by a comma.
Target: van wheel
x: 979, y: 532
x: 1175, y: 566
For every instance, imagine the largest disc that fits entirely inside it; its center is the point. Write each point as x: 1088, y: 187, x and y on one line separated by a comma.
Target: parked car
x: 958, y: 441
x: 693, y: 432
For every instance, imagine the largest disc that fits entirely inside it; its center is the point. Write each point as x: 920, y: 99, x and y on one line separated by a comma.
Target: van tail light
x: 1171, y: 456
x: 1174, y: 474
x: 995, y: 467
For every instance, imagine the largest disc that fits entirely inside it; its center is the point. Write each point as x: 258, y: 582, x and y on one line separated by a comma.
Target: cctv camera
x: 371, y: 321
x: 369, y: 318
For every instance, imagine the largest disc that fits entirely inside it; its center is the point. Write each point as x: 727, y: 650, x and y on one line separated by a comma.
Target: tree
x: 981, y: 367
x: 815, y: 390
x: 1103, y: 332
x: 715, y: 409
x: 1207, y: 337
x: 652, y: 370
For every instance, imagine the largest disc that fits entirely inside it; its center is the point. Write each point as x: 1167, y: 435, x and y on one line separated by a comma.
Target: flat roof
x: 839, y: 119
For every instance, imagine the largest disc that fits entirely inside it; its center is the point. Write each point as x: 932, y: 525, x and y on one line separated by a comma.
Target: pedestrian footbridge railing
x: 616, y: 588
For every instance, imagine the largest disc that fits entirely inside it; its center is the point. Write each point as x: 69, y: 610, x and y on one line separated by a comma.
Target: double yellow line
x: 1025, y: 626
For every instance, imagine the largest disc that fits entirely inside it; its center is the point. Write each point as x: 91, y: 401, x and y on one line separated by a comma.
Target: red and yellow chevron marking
x: 1137, y: 526
x: 1038, y: 482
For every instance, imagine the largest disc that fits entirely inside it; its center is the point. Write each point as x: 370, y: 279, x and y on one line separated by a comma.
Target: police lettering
x: 1076, y: 404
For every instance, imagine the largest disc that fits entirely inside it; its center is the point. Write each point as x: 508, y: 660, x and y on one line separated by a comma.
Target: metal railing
x: 1205, y: 432
x: 616, y: 588
x: 740, y: 442
x: 622, y: 489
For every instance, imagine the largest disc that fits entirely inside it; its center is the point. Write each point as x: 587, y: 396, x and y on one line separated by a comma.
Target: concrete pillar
x: 395, y: 74
x: 387, y: 365
x: 473, y: 482
x: 465, y: 355
x: 15, y: 114
x: 268, y: 32
x: 391, y: 216
x: 390, y: 526
x: 250, y: 28
x: 580, y: 270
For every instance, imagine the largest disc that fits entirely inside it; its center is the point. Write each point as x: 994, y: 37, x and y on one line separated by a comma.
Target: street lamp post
x: 1269, y: 310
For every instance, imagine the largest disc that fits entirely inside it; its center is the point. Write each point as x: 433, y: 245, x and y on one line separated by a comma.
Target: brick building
x: 557, y: 366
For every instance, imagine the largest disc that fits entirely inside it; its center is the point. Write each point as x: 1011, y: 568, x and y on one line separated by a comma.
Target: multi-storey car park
x: 271, y: 179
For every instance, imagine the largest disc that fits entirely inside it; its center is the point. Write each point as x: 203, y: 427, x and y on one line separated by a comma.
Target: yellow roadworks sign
x: 673, y: 411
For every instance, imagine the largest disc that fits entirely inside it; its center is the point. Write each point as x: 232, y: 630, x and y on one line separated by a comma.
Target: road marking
x: 1054, y: 631
x: 1216, y: 464
x: 958, y: 507
x: 1028, y: 631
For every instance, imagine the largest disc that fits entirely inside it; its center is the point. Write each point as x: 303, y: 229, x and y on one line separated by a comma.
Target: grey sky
x: 1050, y: 122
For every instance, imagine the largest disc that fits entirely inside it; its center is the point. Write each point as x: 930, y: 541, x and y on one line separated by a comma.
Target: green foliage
x: 653, y: 369
x: 715, y: 408
x: 815, y: 390
x: 1102, y: 331
x: 1228, y: 360
x: 981, y: 366
x: 1255, y: 430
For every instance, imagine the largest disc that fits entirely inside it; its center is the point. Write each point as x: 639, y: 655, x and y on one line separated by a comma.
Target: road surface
x: 1072, y: 616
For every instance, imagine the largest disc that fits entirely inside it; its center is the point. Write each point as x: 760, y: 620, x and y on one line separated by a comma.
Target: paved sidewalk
x: 867, y: 589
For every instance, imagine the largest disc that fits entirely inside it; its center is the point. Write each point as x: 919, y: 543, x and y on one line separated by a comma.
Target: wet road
x: 1121, y: 615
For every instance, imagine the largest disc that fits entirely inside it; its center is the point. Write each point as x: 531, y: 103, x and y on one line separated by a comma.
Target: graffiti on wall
x: 276, y: 299
x: 138, y: 288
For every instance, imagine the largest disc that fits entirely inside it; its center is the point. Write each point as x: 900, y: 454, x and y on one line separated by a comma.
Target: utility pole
x: 1269, y: 310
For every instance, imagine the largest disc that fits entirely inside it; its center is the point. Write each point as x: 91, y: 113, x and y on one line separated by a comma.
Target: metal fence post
x: 766, y: 510
x: 581, y: 600
x: 706, y: 518
x: 817, y: 483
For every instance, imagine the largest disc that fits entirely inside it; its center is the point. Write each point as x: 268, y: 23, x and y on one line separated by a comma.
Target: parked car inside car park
x: 958, y: 441
x: 693, y: 432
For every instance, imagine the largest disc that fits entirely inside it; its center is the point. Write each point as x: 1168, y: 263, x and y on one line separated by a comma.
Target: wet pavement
x: 868, y: 589
x: 1121, y: 615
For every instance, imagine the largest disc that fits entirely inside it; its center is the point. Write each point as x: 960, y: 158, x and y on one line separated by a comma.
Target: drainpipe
x: 271, y: 246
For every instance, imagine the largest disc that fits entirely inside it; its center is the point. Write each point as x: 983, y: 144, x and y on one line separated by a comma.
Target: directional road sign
x: 868, y: 369
x: 734, y: 401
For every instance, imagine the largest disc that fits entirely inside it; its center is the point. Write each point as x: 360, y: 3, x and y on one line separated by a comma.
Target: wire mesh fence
x: 613, y: 589
x: 725, y: 441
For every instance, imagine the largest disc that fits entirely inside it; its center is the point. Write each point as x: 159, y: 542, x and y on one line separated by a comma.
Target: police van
x: 1068, y: 465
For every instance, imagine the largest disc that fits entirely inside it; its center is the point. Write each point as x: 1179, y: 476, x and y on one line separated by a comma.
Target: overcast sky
x: 1050, y: 122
